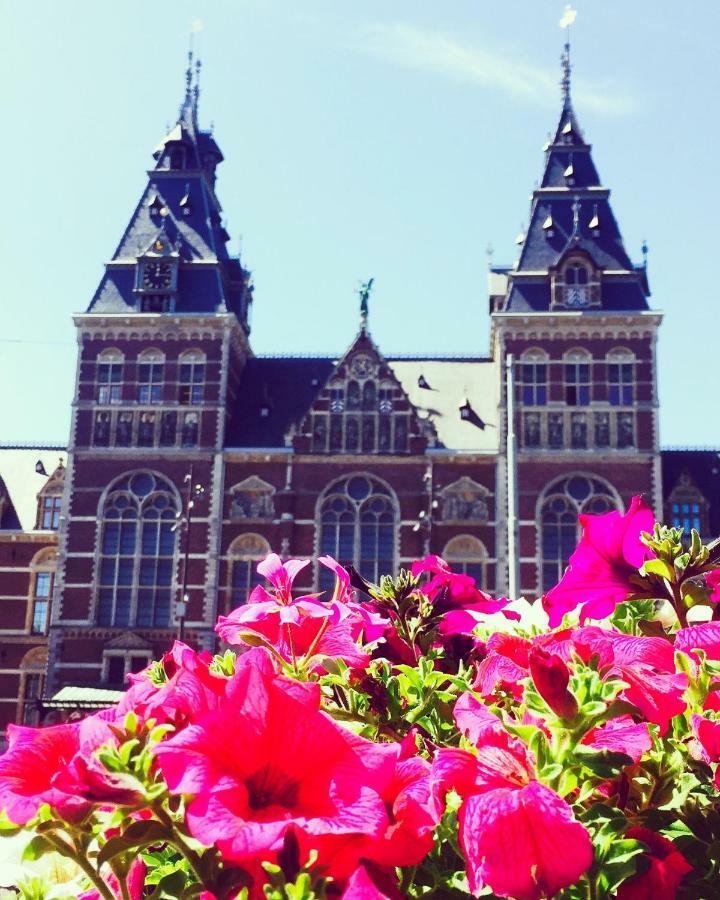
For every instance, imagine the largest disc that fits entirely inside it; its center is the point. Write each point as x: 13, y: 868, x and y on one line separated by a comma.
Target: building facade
x: 190, y: 457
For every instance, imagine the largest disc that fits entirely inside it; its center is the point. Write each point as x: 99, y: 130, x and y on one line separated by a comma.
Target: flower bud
x: 551, y: 677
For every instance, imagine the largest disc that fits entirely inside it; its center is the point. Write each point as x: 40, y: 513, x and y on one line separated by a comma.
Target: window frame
x: 120, y: 573
x: 339, y: 490
x: 110, y: 364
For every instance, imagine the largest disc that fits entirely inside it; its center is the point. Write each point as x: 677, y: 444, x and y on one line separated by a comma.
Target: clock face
x: 362, y: 365
x: 157, y: 275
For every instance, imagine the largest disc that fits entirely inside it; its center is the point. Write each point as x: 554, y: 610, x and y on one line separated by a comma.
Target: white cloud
x: 430, y: 50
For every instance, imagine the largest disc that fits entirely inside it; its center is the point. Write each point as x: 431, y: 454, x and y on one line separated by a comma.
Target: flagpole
x: 512, y: 488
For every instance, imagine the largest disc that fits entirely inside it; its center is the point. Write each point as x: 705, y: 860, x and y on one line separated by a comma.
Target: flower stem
x: 69, y: 850
x: 192, y: 857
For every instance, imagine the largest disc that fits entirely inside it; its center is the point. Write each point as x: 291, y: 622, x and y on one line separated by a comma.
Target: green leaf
x: 37, y: 847
x: 659, y: 567
x: 136, y: 835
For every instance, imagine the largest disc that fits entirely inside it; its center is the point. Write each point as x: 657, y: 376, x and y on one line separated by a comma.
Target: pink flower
x: 370, y: 883
x: 298, y: 770
x: 518, y: 836
x: 456, y: 598
x: 281, y: 575
x: 621, y: 735
x: 705, y: 637
x: 665, y: 869
x: 707, y: 733
x: 600, y: 572
x: 190, y: 688
x: 712, y: 580
x: 28, y: 769
x: 505, y: 665
x: 57, y: 765
x: 646, y: 664
x: 551, y: 677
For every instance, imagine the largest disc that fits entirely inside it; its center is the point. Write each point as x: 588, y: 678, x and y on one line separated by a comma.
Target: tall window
x: 138, y: 552
x: 109, y: 376
x: 560, y: 505
x: 244, y: 554
x: 621, y: 377
x: 42, y: 569
x: 32, y: 681
x: 358, y: 523
x: 534, y: 377
x: 151, y: 373
x: 577, y: 378
x: 192, y: 377
x: 467, y: 555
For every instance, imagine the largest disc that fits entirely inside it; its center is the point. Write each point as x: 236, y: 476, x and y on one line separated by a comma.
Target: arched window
x: 33, y: 667
x: 109, y: 376
x: 151, y: 374
x: 577, y: 377
x: 467, y: 555
x: 620, y: 376
x: 138, y: 552
x: 559, y: 507
x: 192, y: 377
x: 687, y: 508
x: 534, y: 377
x: 358, y: 522
x: 244, y: 554
x: 42, y: 580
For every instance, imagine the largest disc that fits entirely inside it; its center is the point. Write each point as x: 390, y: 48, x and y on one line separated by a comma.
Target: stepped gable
x: 178, y: 221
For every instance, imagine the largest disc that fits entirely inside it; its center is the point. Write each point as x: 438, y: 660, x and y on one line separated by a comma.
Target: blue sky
x: 394, y: 140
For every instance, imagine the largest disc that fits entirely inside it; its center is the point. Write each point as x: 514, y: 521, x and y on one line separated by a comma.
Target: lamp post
x: 192, y: 491
x: 512, y: 488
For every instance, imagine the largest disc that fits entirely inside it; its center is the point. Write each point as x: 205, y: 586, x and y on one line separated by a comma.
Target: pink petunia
x: 190, y: 688
x: 705, y: 637
x: 600, y: 570
x: 621, y: 735
x: 664, y: 868
x: 551, y: 677
x: 518, y: 836
x: 268, y: 760
x: 56, y: 765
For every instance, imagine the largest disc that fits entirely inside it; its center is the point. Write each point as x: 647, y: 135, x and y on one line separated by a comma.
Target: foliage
x: 414, y: 738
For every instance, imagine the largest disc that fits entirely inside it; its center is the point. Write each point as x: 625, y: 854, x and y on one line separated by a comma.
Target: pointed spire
x: 566, y: 70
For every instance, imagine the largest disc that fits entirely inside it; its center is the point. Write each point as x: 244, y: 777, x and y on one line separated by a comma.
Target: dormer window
x: 576, y: 285
x: 177, y: 158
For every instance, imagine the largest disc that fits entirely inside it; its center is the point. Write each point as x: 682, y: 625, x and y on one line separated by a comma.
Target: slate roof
x: 181, y: 205
x: 287, y: 386
x: 22, y: 483
x: 703, y: 466
x: 571, y: 211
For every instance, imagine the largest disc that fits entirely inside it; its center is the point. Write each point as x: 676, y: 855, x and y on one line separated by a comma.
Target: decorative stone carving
x: 465, y: 501
x: 252, y: 499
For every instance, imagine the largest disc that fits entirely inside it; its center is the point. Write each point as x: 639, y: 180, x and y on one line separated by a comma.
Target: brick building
x: 375, y: 460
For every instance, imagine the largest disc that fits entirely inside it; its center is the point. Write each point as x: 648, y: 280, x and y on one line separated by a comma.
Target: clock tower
x: 162, y: 347
x: 572, y: 315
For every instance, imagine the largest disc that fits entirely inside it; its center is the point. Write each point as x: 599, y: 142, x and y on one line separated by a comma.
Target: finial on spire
x: 568, y: 17
x: 576, y: 216
x: 489, y: 253
x: 364, y: 294
x: 644, y: 250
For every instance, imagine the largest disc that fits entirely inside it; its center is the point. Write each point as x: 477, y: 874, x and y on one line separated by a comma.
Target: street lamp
x: 192, y: 492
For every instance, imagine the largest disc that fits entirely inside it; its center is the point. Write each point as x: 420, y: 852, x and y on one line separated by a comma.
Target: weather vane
x: 568, y: 17
x: 364, y: 294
